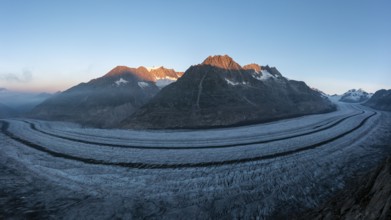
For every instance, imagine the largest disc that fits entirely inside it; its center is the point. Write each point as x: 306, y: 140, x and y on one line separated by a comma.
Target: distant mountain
x: 381, y: 100
x: 107, y: 100
x: 355, y: 96
x: 219, y: 92
x: 21, y: 102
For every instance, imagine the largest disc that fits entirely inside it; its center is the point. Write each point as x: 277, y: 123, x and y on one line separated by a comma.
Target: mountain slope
x: 355, y: 96
x: 380, y: 100
x: 219, y: 92
x: 105, y: 101
x: 102, y: 101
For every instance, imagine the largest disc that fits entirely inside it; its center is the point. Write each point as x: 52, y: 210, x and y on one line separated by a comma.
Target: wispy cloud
x: 24, y: 77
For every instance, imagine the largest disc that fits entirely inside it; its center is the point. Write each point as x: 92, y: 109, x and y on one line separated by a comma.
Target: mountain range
x: 107, y: 100
x: 16, y: 103
x: 220, y: 92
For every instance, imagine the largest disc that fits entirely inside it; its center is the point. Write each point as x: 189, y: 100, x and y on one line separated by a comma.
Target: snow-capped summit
x: 355, y: 96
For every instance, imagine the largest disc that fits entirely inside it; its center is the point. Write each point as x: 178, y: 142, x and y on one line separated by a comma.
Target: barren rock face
x: 252, y: 66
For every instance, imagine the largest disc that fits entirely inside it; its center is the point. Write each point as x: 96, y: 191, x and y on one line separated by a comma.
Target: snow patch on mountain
x: 166, y: 78
x: 143, y: 84
x: 232, y: 83
x: 120, y: 82
x: 164, y: 82
x: 265, y: 75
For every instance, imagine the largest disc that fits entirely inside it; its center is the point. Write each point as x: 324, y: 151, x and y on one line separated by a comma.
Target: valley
x: 263, y: 170
x: 206, y: 110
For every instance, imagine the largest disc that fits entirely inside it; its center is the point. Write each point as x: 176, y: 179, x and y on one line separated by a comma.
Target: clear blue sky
x: 333, y: 45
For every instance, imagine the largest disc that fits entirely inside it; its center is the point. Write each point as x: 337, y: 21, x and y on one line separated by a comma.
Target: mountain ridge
x: 216, y: 92
x: 144, y: 74
x: 355, y: 96
x: 103, y: 101
x: 219, y: 92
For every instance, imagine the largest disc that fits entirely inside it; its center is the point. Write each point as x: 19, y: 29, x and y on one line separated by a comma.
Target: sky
x: 332, y: 45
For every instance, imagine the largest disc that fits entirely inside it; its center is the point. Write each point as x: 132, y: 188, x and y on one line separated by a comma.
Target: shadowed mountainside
x: 219, y: 92
x: 381, y: 100
x: 105, y: 101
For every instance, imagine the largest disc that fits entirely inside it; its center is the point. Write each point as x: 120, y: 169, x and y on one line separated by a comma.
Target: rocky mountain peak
x: 222, y: 61
x: 145, y: 74
x: 252, y: 66
x: 118, y: 70
x: 141, y: 72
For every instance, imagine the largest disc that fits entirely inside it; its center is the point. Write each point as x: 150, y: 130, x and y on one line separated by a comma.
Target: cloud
x: 24, y: 77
